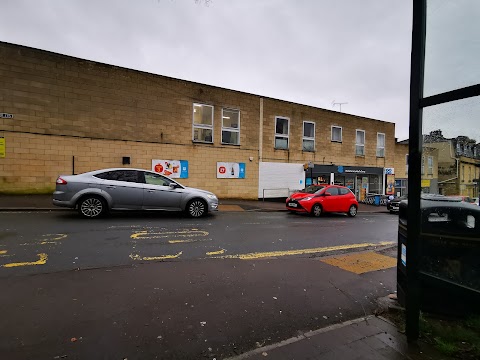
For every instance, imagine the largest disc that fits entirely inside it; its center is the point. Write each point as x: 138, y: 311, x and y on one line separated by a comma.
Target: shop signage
x: 229, y: 170
x: 389, y: 171
x: 171, y: 168
x: 425, y: 183
x: 2, y: 147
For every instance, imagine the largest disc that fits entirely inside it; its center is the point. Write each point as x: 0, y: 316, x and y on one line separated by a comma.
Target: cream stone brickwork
x: 73, y: 115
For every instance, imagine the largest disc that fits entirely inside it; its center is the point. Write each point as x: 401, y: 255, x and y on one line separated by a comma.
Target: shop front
x: 360, y: 179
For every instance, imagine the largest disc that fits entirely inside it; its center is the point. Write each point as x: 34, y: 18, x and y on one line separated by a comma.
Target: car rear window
x: 119, y: 175
x: 343, y: 191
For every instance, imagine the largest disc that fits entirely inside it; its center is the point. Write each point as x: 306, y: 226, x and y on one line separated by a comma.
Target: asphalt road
x: 160, y: 286
x: 41, y: 242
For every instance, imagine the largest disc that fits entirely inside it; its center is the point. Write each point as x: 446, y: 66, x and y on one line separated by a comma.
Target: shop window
x: 282, y: 130
x: 380, y: 145
x: 336, y: 133
x: 430, y: 165
x: 308, y: 141
x: 360, y: 143
x: 202, y: 123
x: 230, y: 127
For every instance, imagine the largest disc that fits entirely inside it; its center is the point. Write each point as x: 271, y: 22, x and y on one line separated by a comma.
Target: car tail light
x: 61, y: 181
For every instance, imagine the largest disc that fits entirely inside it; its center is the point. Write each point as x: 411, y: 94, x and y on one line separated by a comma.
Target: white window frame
x: 307, y: 137
x: 380, y: 148
x: 202, y: 126
x: 282, y: 135
x: 430, y: 168
x: 341, y: 133
x: 230, y: 129
x: 357, y: 144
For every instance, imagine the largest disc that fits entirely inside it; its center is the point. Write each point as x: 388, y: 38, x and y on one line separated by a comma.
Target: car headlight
x: 307, y: 198
x: 211, y: 196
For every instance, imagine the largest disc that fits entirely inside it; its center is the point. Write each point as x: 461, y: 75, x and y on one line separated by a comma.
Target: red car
x: 317, y: 199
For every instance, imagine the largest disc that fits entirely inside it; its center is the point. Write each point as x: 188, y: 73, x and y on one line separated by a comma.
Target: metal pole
x: 414, y: 178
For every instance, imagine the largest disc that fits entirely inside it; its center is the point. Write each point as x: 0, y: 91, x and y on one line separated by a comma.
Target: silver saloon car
x: 95, y: 193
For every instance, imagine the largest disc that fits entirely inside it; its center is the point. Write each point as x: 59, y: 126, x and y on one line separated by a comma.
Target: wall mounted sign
x: 2, y: 147
x: 229, y: 170
x: 6, y: 116
x: 171, y: 168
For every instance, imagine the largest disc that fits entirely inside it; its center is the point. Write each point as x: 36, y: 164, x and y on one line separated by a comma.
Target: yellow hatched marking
x: 41, y: 261
x: 56, y: 237
x: 260, y: 255
x: 360, y: 263
x: 3, y: 252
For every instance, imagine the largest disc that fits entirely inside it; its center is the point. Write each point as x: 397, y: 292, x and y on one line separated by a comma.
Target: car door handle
x: 150, y: 191
x: 111, y: 187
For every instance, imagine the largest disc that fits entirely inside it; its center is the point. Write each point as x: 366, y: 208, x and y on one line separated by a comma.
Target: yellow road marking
x: 216, y: 252
x: 160, y: 235
x: 187, y: 241
x: 54, y: 239
x: 360, y: 263
x: 260, y: 255
x: 3, y: 252
x: 149, y: 258
x: 41, y: 261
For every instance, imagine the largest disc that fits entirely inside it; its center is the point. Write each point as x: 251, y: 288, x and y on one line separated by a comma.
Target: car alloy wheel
x: 352, y: 211
x: 197, y: 208
x: 92, y: 207
x: 317, y: 210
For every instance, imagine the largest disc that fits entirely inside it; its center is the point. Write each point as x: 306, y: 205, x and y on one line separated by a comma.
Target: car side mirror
x: 172, y: 186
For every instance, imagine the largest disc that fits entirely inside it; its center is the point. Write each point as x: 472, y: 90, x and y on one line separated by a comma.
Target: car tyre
x: 197, y: 208
x: 317, y: 210
x: 92, y: 206
x: 352, y: 212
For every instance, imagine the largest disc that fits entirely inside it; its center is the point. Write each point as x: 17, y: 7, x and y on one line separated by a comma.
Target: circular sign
x: 159, y: 168
x: 222, y: 169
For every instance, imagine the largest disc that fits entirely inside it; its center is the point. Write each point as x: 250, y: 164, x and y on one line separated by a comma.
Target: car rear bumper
x: 62, y: 199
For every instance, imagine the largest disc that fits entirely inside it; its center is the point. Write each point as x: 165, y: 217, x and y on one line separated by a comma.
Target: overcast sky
x: 305, y: 51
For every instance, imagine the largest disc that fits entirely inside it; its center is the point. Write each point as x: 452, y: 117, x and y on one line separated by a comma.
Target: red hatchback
x: 317, y: 199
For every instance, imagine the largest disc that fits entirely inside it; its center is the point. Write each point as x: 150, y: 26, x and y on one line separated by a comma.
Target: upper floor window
x: 282, y: 130
x: 230, y: 126
x: 380, y: 145
x: 203, y: 123
x: 430, y: 165
x: 360, y: 143
x: 308, y: 143
x: 336, y: 133
x: 423, y: 165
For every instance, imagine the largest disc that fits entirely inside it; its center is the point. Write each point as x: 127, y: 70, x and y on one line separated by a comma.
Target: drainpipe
x: 260, y: 133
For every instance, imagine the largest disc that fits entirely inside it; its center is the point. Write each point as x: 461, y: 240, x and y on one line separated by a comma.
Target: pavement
x: 367, y: 337
x: 44, y: 202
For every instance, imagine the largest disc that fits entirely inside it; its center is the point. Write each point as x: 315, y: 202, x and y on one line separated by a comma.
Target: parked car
x: 463, y: 198
x: 475, y: 200
x: 97, y: 192
x: 330, y: 198
x: 393, y: 205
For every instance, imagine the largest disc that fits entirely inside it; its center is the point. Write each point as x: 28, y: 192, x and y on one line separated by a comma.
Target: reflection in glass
x: 452, y: 46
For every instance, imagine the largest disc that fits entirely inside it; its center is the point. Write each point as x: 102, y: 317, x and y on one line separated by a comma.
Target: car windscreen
x: 312, y: 189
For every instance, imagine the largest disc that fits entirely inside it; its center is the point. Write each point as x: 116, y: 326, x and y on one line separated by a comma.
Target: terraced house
x: 64, y: 115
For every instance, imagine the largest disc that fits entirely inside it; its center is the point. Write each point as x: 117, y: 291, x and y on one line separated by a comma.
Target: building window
x: 430, y: 165
x: 469, y: 174
x: 423, y: 165
x: 230, y: 127
x: 463, y: 173
x: 406, y: 164
x: 308, y: 136
x: 336, y: 133
x: 380, y: 145
x: 282, y: 129
x: 203, y: 123
x: 360, y: 143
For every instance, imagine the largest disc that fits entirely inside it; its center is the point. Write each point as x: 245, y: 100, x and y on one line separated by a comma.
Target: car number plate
x: 395, y: 207
x: 292, y: 204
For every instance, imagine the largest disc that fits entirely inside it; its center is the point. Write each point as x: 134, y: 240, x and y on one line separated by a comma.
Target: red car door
x: 344, y: 199
x: 331, y: 200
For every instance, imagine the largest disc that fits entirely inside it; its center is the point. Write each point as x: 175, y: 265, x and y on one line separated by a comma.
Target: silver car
x: 96, y: 192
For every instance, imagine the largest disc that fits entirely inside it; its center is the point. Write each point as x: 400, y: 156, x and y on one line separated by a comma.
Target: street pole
x: 413, y: 246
